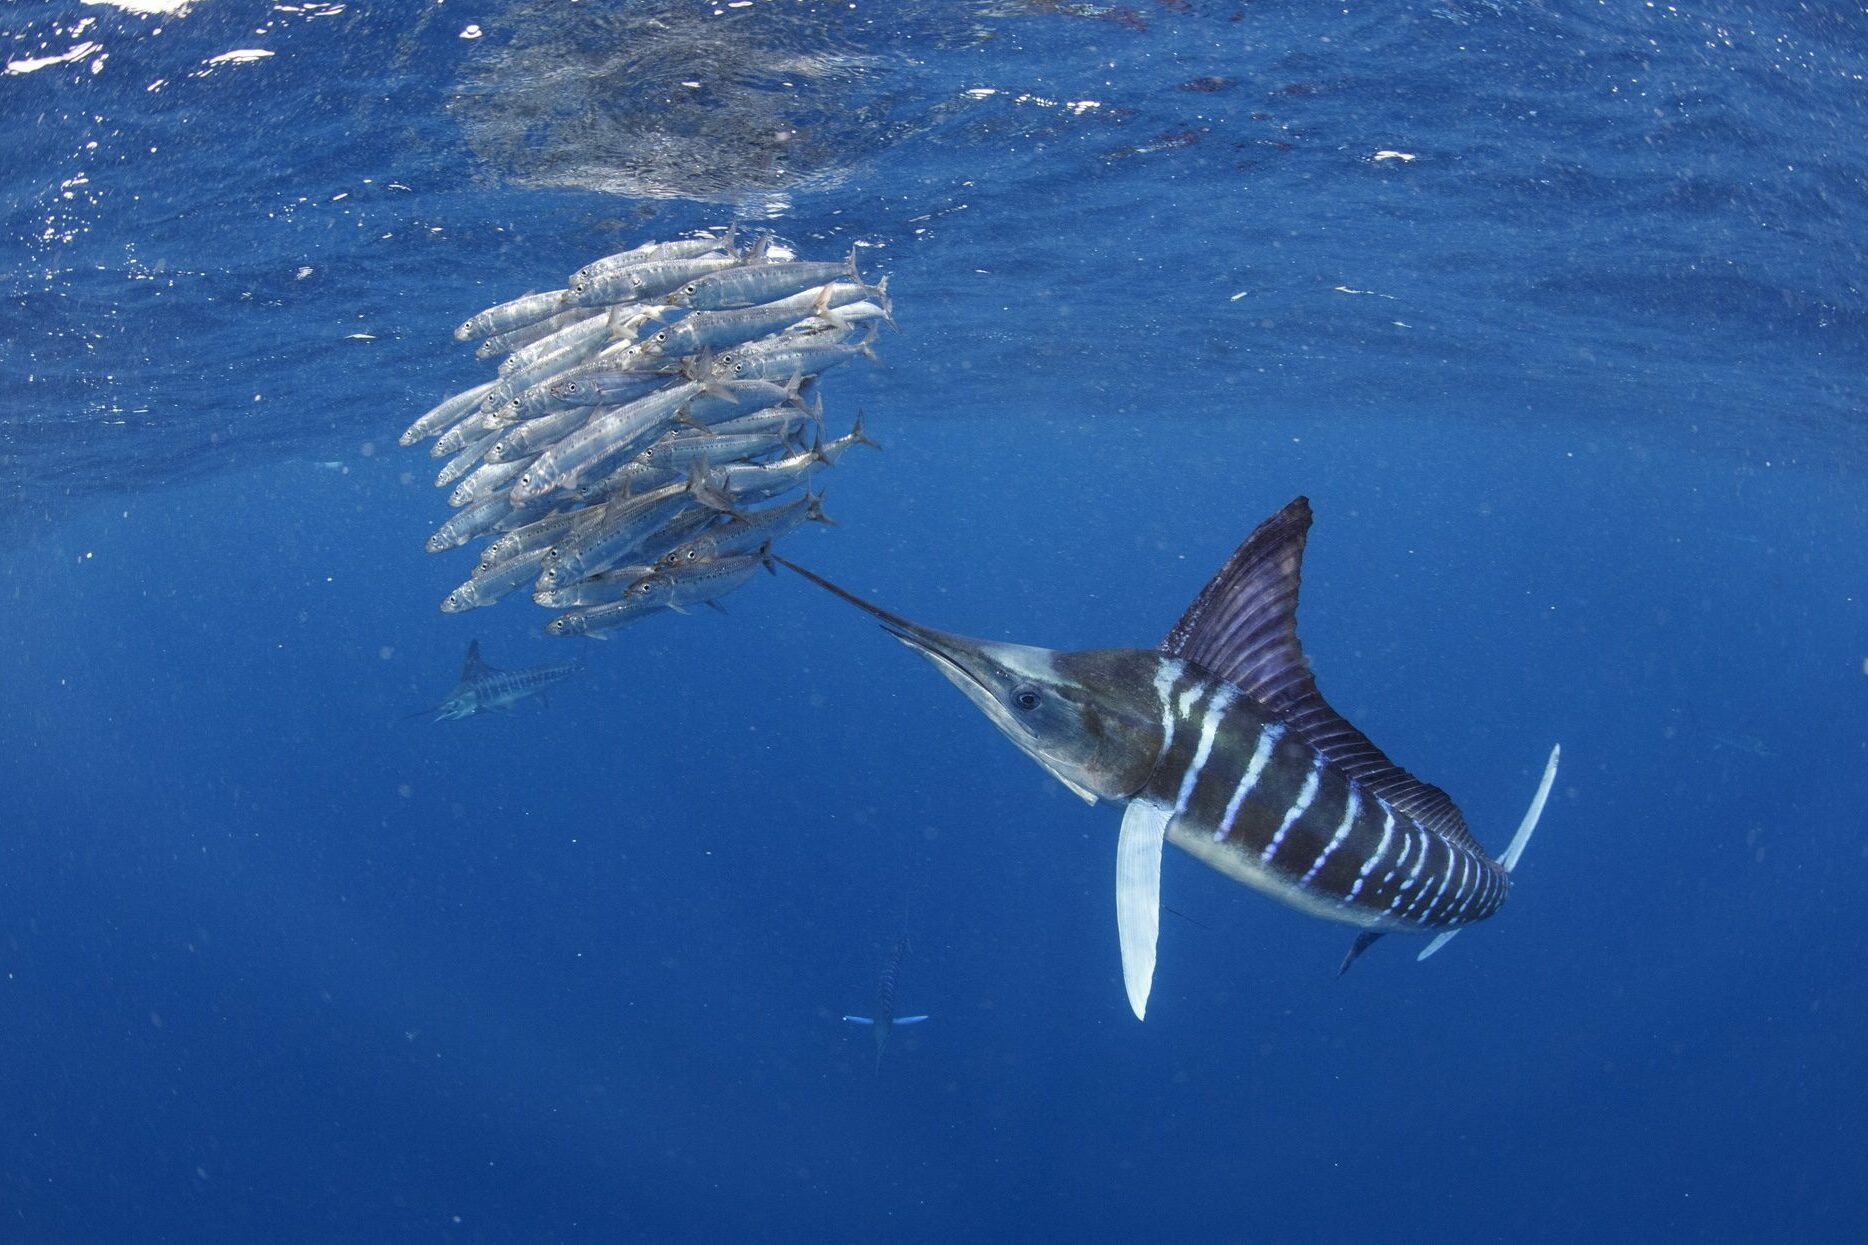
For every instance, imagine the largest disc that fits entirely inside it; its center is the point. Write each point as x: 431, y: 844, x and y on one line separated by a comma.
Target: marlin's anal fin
x: 1439, y: 940
x: 1366, y: 939
x: 1138, y: 896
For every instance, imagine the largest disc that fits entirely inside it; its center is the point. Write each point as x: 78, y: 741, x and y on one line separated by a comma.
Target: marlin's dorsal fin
x: 1243, y: 628
x: 474, y: 668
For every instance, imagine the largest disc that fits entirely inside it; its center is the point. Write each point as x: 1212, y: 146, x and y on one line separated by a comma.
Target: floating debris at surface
x: 637, y: 450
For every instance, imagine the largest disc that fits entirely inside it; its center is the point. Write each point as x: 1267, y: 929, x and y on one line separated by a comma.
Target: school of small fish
x: 643, y: 445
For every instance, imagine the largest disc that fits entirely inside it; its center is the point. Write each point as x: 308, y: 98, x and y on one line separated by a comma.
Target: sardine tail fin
x: 814, y: 511
x: 856, y: 433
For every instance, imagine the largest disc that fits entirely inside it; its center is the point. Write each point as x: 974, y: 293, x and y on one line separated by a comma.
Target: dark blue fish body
x: 482, y: 687
x: 1219, y: 742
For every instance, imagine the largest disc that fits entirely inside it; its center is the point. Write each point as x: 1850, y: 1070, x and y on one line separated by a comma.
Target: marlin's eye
x: 1027, y: 697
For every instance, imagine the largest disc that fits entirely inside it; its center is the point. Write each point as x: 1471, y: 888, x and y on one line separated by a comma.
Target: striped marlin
x: 885, y: 1019
x: 483, y: 687
x: 1219, y: 742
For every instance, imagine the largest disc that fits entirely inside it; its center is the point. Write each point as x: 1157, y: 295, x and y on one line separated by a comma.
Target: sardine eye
x: 1027, y: 697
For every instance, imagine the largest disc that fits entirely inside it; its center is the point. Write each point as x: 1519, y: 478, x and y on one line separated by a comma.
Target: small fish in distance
x: 483, y: 688
x: 885, y: 1019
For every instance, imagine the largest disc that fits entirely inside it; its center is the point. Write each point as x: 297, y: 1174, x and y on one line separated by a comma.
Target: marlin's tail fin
x: 1515, y: 849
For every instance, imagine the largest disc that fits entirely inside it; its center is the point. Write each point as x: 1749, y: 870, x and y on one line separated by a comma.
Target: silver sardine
x: 600, y: 618
x: 641, y: 282
x: 612, y: 536
x: 520, y: 338
x: 612, y: 435
x: 591, y: 328
x: 487, y: 589
x: 466, y: 460
x: 540, y: 535
x: 445, y: 414
x: 486, y: 480
x: 535, y: 435
x: 747, y: 533
x: 748, y: 285
x: 514, y: 314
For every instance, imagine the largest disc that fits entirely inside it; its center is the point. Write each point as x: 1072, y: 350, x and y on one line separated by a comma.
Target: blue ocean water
x: 1555, y: 313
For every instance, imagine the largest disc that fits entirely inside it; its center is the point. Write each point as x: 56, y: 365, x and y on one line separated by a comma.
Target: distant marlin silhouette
x: 885, y: 1019
x: 1219, y: 742
x: 482, y: 687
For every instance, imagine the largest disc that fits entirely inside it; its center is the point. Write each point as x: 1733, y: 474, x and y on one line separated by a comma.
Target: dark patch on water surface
x: 672, y: 100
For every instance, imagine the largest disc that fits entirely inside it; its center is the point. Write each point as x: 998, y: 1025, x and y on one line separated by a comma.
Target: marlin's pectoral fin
x: 861, y: 1020
x: 1138, y: 897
